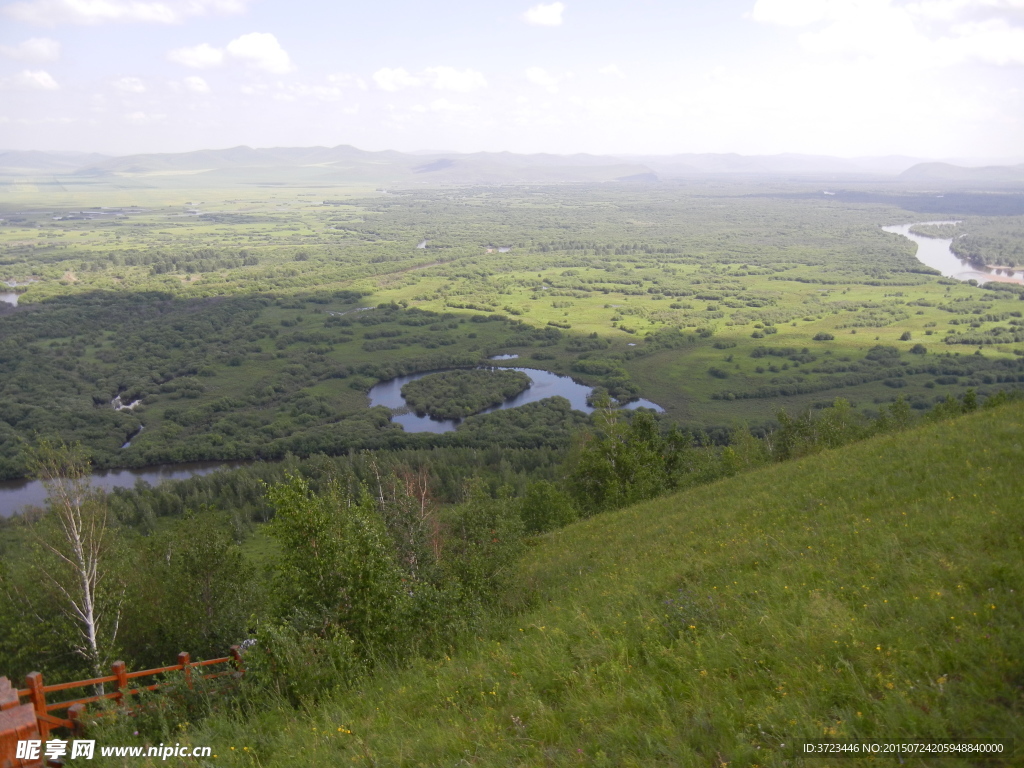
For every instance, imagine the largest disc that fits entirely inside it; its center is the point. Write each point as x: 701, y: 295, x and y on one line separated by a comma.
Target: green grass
x: 868, y: 593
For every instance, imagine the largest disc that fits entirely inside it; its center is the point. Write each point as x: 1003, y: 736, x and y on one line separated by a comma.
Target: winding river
x: 543, y: 384
x: 15, y: 495
x: 18, y: 494
x: 936, y: 253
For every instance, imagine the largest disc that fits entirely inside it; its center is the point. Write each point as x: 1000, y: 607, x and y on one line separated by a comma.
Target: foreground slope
x: 869, y: 593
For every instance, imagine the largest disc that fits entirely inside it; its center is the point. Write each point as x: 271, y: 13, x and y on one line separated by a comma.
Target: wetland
x: 269, y: 324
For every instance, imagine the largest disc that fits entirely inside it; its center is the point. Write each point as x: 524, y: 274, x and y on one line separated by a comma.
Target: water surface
x: 543, y: 384
x: 17, y: 494
x: 936, y: 253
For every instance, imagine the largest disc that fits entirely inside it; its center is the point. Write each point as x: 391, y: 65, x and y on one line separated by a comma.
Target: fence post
x: 75, y: 712
x: 236, y: 654
x: 121, y: 685
x: 34, y: 683
x: 8, y: 695
x: 184, y: 659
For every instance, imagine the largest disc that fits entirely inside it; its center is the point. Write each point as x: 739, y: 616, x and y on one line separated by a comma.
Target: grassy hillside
x: 868, y: 593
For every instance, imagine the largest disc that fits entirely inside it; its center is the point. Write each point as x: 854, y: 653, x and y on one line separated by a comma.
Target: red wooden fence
x: 34, y: 718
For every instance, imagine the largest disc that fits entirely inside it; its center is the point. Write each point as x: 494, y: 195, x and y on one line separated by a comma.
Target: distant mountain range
x: 774, y: 165
x: 945, y: 172
x: 346, y: 164
x: 32, y: 160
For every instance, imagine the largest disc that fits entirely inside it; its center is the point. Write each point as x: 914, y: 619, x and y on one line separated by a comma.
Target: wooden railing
x: 36, y: 691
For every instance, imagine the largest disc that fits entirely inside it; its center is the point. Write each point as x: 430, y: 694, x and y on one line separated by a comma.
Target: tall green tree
x: 192, y: 591
x: 483, y: 538
x: 337, y: 568
x: 617, y: 463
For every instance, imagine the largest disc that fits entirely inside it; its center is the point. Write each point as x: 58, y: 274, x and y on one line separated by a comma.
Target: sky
x: 850, y: 78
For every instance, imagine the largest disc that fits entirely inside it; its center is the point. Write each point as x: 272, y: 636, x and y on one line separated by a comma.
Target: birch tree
x: 76, y: 536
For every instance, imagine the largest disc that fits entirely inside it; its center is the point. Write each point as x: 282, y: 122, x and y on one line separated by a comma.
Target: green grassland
x: 868, y: 593
x: 231, y: 314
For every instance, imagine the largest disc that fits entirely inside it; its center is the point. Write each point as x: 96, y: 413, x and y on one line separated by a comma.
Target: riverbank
x: 17, y: 496
x: 937, y: 253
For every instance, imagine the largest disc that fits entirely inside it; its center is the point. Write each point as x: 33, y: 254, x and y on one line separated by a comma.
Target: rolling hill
x: 870, y: 593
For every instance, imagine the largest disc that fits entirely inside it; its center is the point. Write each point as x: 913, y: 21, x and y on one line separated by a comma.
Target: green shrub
x: 543, y: 507
x: 299, y: 667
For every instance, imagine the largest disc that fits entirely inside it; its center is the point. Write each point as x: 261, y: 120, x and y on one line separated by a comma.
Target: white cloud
x: 791, y: 13
x: 543, y: 15
x: 200, y: 56
x: 993, y: 41
x: 29, y: 80
x: 451, y: 79
x: 143, y: 118
x: 802, y: 13
x: 441, y: 78
x: 345, y: 80
x: 543, y: 78
x: 389, y: 79
x: 36, y: 50
x: 948, y: 10
x: 914, y: 36
x: 612, y: 71
x: 872, y: 29
x: 130, y: 85
x: 196, y: 84
x: 318, y: 92
x: 52, y: 12
x: 443, y: 105
x: 262, y: 51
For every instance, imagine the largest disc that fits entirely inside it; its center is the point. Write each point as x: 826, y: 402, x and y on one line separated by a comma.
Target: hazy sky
x: 931, y: 78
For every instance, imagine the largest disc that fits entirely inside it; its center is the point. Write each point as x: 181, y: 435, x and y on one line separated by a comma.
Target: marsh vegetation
x: 255, y: 327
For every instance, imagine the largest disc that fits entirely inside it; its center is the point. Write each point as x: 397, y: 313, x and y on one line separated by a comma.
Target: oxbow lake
x: 936, y: 253
x: 15, y: 495
x: 543, y: 384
